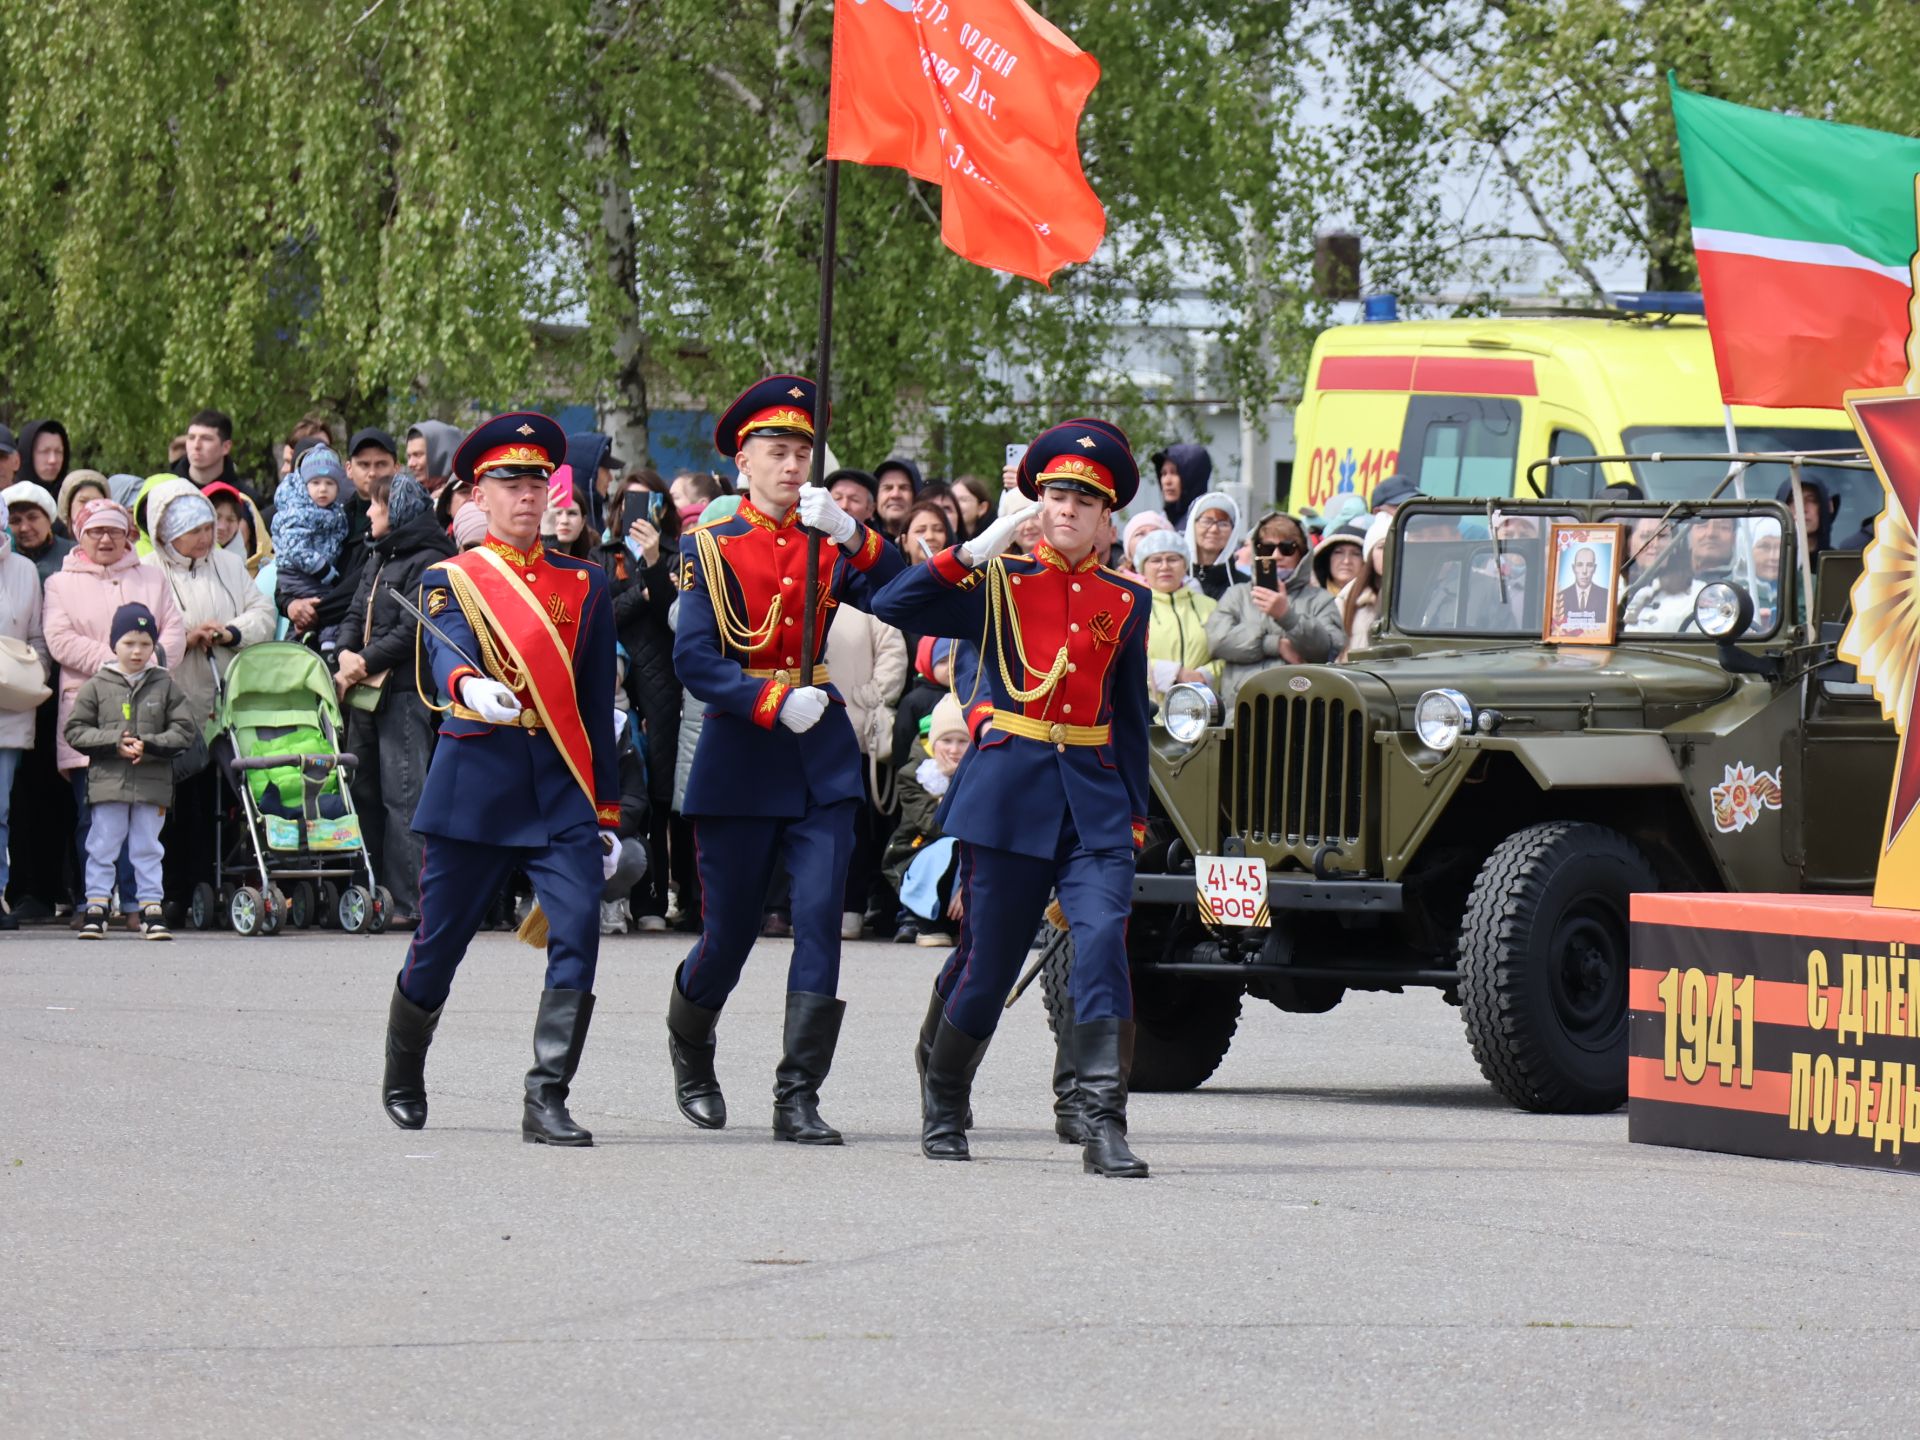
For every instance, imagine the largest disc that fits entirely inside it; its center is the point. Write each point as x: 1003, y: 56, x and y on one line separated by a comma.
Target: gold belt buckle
x: 529, y: 720
x: 1057, y: 734
x: 783, y: 677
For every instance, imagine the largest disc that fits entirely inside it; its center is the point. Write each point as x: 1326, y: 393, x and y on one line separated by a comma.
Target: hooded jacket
x: 33, y: 431
x: 213, y: 590
x: 900, y: 462
x: 1818, y: 540
x: 307, y: 538
x: 1215, y: 579
x: 46, y: 560
x: 1248, y: 640
x: 585, y: 450
x: 442, y: 440
x: 1196, y: 474
x: 262, y: 550
x: 142, y: 507
x: 400, y: 557
x: 80, y: 602
x: 153, y: 706
x: 20, y: 619
x: 63, y: 505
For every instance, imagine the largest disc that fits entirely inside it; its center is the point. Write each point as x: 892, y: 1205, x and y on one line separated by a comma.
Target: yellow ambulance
x: 1462, y: 407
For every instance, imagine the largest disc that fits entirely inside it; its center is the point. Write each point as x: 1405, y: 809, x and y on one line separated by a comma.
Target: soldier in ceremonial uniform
x: 1053, y: 796
x: 778, y: 775
x: 521, y: 642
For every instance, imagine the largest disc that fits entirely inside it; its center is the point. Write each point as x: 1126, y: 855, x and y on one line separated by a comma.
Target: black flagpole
x: 823, y: 366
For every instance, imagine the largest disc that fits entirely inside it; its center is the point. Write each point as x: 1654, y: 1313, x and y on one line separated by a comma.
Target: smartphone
x: 1015, y: 453
x: 1266, y: 572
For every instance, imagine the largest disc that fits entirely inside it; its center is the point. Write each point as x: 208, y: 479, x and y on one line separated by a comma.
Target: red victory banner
x: 980, y: 97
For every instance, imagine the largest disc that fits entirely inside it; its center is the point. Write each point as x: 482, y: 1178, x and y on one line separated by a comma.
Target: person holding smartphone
x: 1279, y: 617
x: 640, y: 552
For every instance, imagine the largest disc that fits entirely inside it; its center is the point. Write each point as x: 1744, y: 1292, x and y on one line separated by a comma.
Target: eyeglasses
x: 1277, y: 547
x: 1212, y: 520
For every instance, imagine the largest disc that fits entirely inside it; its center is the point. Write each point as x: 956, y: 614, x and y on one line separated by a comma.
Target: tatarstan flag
x: 1805, y: 235
x: 979, y: 97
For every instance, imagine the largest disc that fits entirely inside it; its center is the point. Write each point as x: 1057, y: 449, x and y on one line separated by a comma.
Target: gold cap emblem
x: 797, y: 393
x: 524, y: 430
x: 1087, y: 441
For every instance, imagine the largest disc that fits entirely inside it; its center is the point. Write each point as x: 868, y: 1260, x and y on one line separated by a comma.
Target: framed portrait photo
x: 1584, y: 561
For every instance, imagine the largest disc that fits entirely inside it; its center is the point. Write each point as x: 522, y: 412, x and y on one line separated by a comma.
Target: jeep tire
x: 1544, y: 964
x: 1182, y: 1027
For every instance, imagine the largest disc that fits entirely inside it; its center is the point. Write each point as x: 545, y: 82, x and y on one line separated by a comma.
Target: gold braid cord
x: 497, y: 664
x: 735, y: 633
x: 997, y: 603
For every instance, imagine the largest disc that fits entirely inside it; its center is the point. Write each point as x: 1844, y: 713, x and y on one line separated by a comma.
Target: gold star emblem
x: 524, y: 430
x: 1088, y: 441
x: 797, y: 393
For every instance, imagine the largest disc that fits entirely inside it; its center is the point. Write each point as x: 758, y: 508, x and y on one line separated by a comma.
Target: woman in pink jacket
x: 99, y: 575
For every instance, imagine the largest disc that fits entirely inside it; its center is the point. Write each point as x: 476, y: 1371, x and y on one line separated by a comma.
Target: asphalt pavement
x: 209, y: 1228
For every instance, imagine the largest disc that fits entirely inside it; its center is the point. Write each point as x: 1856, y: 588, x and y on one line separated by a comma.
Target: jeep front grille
x: 1299, y: 777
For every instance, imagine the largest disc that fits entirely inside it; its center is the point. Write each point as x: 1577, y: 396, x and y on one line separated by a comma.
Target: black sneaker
x: 93, y: 923
x: 153, y: 924
x: 7, y: 922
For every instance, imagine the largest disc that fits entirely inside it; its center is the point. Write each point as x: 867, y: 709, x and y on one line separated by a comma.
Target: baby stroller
x: 288, y: 847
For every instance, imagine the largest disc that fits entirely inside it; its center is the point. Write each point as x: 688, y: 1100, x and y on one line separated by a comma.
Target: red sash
x: 519, y: 624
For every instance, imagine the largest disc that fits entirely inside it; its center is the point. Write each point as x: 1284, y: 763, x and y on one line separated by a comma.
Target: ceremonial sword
x: 414, y: 610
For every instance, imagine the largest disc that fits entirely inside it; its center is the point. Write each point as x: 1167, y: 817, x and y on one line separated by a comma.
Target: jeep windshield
x: 1459, y: 576
x: 1855, y: 487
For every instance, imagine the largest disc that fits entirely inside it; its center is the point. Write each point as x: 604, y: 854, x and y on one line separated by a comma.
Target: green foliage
x: 1548, y: 121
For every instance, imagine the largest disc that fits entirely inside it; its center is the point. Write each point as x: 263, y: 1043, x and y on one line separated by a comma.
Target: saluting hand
x: 820, y: 511
x: 802, y: 708
x: 996, y: 537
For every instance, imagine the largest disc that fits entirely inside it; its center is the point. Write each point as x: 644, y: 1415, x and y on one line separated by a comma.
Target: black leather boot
x: 1067, y: 1122
x: 1102, y: 1058
x: 559, y: 1035
x: 813, y: 1029
x: 946, y: 1091
x: 690, y: 1046
x: 409, y: 1032
x: 936, y: 1007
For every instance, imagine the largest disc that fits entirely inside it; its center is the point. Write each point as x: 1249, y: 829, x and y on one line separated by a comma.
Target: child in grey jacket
x: 129, y: 720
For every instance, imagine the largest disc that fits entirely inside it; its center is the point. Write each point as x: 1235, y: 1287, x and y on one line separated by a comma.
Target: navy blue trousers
x: 1006, y: 894
x: 736, y: 855
x: 459, y: 880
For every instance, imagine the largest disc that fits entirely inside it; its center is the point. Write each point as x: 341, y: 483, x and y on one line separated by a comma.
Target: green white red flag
x: 1805, y: 235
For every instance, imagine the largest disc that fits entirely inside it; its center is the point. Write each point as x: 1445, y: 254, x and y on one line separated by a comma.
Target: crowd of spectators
x: 197, y: 562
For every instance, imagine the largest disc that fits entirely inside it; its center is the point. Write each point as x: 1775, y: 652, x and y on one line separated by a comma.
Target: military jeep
x: 1467, y: 806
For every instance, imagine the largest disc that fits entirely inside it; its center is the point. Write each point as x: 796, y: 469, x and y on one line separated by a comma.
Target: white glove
x: 802, y: 708
x: 609, y: 855
x: 996, y: 537
x: 1164, y: 673
x: 490, y: 700
x: 820, y: 511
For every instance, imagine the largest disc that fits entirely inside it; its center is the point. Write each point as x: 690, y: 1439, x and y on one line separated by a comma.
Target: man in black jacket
x: 394, y: 740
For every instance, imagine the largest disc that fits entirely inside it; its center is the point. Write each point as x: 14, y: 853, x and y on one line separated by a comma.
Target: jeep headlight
x: 1441, y: 717
x: 1722, y: 610
x: 1188, y: 710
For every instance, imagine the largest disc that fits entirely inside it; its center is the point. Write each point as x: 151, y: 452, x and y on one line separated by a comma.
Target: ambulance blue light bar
x: 1657, y: 302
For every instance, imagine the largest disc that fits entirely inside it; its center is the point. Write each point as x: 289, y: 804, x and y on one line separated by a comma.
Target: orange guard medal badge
x: 1882, y: 638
